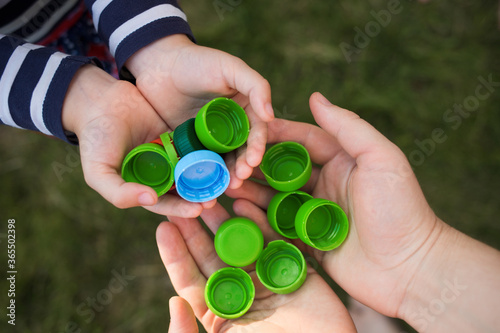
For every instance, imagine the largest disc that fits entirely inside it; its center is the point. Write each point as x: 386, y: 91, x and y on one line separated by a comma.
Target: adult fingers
x: 181, y: 267
x: 249, y: 210
x: 214, y: 217
x: 356, y: 136
x: 182, y: 318
x: 322, y: 147
x: 257, y: 193
x: 199, y: 245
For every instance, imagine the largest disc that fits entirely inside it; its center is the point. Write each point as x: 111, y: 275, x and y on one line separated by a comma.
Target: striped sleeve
x: 33, y: 83
x: 128, y: 25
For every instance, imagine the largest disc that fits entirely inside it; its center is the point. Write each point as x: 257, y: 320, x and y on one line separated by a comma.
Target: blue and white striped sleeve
x: 128, y: 25
x: 33, y: 83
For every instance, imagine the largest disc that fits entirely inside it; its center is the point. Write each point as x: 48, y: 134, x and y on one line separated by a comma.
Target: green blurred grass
x: 69, y: 240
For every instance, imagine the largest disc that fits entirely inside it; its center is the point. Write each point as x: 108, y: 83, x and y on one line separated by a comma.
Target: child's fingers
x: 257, y: 139
x: 182, y: 318
x: 214, y: 217
x: 173, y: 205
x: 106, y: 181
x: 250, y: 83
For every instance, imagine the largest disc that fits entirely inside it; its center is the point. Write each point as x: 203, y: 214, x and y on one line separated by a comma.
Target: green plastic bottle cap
x: 222, y: 125
x: 185, y: 138
x: 239, y: 242
x: 286, y: 166
x: 281, y: 267
x: 150, y: 165
x: 229, y: 292
x: 168, y: 144
x: 321, y: 224
x: 282, y: 210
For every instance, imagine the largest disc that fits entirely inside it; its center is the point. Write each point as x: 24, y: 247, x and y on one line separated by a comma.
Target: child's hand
x: 178, y: 77
x: 111, y: 117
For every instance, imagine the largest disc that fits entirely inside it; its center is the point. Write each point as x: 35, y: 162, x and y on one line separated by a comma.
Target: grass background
x: 429, y: 57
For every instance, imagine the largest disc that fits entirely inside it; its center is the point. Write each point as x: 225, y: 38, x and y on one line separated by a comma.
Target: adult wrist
x: 437, y: 284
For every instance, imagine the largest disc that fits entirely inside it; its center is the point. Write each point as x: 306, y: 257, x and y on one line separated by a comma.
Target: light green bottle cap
x: 281, y: 267
x: 239, y: 242
x: 286, y: 166
x: 282, y: 210
x: 229, y: 292
x: 222, y: 125
x: 149, y: 164
x: 322, y: 224
x: 168, y: 144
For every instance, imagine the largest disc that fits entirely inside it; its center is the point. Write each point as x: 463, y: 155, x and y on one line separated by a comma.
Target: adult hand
x: 182, y: 319
x: 178, y: 77
x: 189, y: 256
x: 391, y: 224
x: 111, y: 117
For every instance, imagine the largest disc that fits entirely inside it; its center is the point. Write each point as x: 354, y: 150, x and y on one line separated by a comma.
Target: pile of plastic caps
x: 188, y: 158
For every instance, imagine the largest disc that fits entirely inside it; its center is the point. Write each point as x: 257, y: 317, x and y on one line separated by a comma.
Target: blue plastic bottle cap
x: 201, y: 176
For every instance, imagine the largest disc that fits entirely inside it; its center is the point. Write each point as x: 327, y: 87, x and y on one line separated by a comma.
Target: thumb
x: 106, y: 181
x: 356, y: 136
x: 182, y: 318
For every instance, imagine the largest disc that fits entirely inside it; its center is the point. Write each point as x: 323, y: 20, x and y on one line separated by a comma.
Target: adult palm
x: 391, y: 225
x: 189, y: 256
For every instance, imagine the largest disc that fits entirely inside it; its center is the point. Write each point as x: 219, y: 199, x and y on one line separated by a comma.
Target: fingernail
x: 146, y: 199
x: 269, y: 110
x: 322, y: 99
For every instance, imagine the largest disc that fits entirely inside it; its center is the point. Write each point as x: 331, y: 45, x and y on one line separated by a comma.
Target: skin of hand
x: 182, y: 318
x: 189, y: 256
x: 369, y: 177
x: 110, y: 117
x: 178, y: 77
x: 399, y: 257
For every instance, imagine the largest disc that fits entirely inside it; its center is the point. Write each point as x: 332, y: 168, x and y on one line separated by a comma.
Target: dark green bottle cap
x: 185, y: 139
x: 229, y: 292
